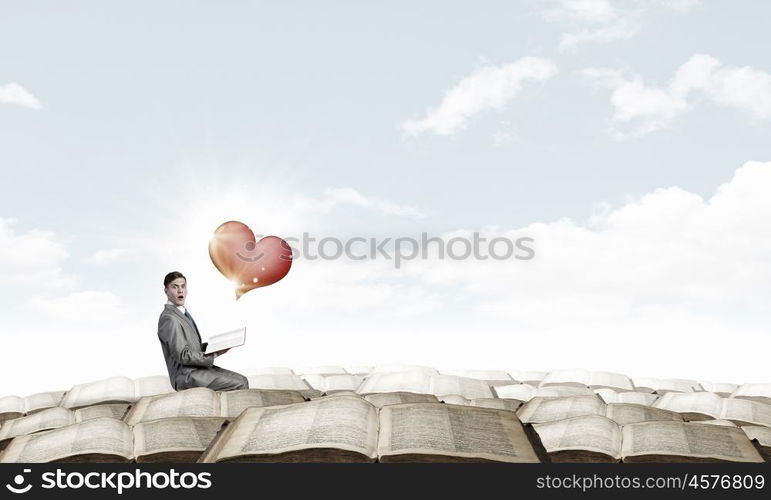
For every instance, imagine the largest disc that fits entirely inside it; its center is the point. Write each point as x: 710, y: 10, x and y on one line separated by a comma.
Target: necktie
x: 187, y: 314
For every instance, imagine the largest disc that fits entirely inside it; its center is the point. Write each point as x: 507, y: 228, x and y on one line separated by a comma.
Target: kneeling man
x: 185, y: 359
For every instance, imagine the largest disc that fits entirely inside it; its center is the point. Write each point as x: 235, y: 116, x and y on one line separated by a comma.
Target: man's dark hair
x: 171, y: 277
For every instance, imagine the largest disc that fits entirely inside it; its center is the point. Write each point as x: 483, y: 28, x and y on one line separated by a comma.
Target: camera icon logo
x: 19, y: 480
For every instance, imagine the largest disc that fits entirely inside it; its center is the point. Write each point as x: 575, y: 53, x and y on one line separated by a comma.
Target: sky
x: 628, y: 139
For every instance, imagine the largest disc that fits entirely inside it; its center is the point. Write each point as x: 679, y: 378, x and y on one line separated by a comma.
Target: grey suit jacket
x: 187, y: 364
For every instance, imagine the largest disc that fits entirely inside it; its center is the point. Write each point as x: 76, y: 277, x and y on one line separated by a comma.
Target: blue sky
x: 129, y: 131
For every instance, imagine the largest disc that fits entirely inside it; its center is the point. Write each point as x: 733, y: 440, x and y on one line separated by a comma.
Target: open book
x: 15, y: 406
x: 641, y: 398
x: 204, y: 402
x: 491, y: 377
x: 348, y: 428
x: 283, y: 382
x: 422, y: 382
x: 175, y: 440
x: 233, y: 338
x: 381, y: 399
x: 115, y: 390
x: 56, y: 417
x: 526, y: 392
x: 594, y: 438
x: 755, y: 392
x: 588, y: 378
x: 500, y: 404
x: 762, y: 436
x: 333, y: 382
x: 706, y: 405
x: 660, y: 386
x: 540, y: 410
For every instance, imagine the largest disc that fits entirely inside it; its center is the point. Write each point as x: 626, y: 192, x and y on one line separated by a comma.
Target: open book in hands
x: 227, y: 340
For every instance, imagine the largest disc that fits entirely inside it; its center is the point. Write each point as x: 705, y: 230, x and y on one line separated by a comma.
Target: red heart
x: 248, y: 263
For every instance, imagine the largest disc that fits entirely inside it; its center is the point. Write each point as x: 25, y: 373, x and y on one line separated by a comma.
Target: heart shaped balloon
x: 248, y: 263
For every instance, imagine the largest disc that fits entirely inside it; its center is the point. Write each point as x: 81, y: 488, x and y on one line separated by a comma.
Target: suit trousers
x: 216, y: 379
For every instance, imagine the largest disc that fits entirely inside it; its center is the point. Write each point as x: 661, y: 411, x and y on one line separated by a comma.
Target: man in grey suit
x: 185, y: 359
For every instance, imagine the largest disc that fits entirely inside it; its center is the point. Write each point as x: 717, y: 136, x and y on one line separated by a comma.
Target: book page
x: 609, y: 379
x: 761, y: 392
x: 722, y: 388
x: 522, y: 392
x: 528, y: 376
x: 232, y: 403
x: 42, y: 400
x: 539, y: 409
x: 415, y: 381
x: 628, y: 413
x: 453, y: 399
x: 151, y: 386
x: 12, y: 404
x: 112, y: 410
x: 453, y: 431
x: 195, y: 402
x: 499, y: 377
x: 113, y: 389
x: 499, y: 404
x: 329, y: 383
x: 394, y: 398
x: 226, y: 340
x: 640, y: 398
x: 678, y: 385
x: 342, y: 422
x: 101, y: 435
x: 761, y: 433
x: 716, y: 421
x: 45, y: 419
x: 746, y: 411
x: 175, y: 434
x: 561, y: 391
x: 288, y: 382
x: 588, y: 432
x: 689, y: 440
x: 705, y: 403
x: 469, y: 388
x: 358, y: 369
x: 577, y: 376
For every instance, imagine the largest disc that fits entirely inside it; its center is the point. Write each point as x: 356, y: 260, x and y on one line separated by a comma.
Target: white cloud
x: 31, y: 259
x: 87, y: 306
x: 665, y: 273
x: 597, y: 11
x: 668, y: 272
x: 488, y: 87
x: 340, y: 197
x: 624, y: 27
x: 667, y: 284
x: 603, y: 21
x: 640, y: 108
x: 108, y: 256
x: 13, y: 93
x: 681, y: 5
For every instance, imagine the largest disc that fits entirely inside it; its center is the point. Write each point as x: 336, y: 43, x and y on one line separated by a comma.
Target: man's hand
x: 220, y: 353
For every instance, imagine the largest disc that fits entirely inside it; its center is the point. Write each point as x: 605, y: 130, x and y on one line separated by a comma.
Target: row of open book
x: 258, y: 425
x: 471, y: 384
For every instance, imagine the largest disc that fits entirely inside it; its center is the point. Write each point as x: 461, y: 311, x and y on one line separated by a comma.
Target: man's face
x: 177, y: 291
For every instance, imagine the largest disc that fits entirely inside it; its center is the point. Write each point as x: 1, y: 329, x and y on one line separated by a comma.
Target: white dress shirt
x: 181, y: 308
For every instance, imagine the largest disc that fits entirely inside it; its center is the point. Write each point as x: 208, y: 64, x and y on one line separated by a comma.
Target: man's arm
x: 170, y: 332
